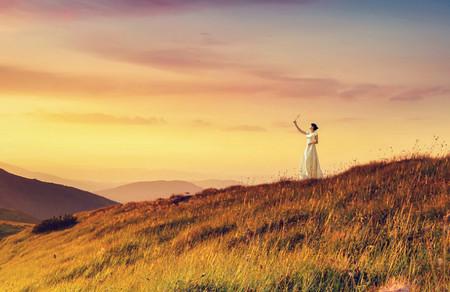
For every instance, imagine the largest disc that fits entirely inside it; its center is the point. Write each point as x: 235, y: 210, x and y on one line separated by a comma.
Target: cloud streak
x: 245, y: 128
x: 173, y: 59
x: 418, y: 94
x: 72, y: 9
x: 269, y: 79
x: 22, y: 81
x: 98, y: 118
x: 198, y: 123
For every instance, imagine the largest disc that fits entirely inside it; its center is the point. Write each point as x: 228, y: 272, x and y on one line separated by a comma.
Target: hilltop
x: 354, y: 231
x: 42, y: 200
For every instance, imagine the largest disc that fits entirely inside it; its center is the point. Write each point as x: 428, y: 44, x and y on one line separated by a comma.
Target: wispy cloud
x: 30, y: 81
x: 417, y: 94
x: 245, y: 128
x: 305, y: 87
x: 174, y: 58
x: 201, y: 123
x: 210, y: 40
x: 348, y: 120
x: 292, y: 86
x: 98, y: 118
x: 282, y: 124
x: 367, y: 90
x: 193, y: 60
x: 264, y: 78
x: 70, y: 9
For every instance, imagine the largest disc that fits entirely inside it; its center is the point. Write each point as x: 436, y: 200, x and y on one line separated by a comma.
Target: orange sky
x: 210, y: 91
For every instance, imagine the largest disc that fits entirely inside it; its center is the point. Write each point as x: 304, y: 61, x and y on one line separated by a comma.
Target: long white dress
x: 310, y: 167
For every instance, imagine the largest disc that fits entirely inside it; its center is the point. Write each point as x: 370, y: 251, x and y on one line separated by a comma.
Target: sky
x: 131, y: 89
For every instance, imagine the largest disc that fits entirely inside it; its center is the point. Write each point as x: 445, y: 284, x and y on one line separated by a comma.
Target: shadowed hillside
x: 16, y: 216
x: 151, y: 190
x: 371, y: 225
x: 43, y: 200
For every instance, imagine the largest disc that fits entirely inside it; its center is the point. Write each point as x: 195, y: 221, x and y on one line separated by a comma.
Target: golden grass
x: 357, y: 231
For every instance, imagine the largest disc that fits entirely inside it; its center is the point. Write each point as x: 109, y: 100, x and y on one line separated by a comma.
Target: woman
x: 310, y: 167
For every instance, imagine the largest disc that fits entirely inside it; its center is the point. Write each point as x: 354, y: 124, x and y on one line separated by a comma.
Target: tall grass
x: 355, y: 231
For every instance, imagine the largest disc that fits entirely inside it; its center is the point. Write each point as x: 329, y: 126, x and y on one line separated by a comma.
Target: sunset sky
x: 123, y: 90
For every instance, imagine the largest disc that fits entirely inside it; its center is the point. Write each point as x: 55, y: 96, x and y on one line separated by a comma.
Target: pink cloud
x: 177, y: 59
x: 29, y: 81
x: 416, y: 94
x: 83, y: 8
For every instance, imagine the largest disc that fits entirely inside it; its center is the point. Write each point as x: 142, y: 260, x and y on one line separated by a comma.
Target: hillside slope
x: 150, y: 190
x: 8, y: 228
x: 355, y: 231
x: 43, y: 200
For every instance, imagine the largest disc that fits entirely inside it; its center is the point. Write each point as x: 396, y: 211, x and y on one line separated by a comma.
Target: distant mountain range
x: 42, y: 200
x: 216, y: 183
x: 16, y: 216
x: 101, y: 186
x: 85, y: 185
x: 151, y: 190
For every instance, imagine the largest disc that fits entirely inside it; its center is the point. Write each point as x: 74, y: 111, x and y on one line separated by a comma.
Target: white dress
x: 310, y: 167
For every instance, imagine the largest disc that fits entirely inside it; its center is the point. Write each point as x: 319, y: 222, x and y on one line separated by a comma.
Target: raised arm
x: 298, y: 128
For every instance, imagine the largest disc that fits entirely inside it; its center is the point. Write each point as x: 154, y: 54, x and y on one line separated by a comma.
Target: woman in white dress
x: 310, y: 167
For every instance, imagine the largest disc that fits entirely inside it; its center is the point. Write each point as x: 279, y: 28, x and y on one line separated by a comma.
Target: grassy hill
x: 8, y: 228
x: 359, y: 230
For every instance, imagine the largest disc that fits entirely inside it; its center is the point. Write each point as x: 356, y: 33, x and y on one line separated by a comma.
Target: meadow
x: 369, y: 227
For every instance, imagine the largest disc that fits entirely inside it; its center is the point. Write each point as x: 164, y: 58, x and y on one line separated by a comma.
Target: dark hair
x: 315, y: 127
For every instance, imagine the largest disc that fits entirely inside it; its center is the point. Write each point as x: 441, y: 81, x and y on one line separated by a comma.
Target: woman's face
x: 311, y: 129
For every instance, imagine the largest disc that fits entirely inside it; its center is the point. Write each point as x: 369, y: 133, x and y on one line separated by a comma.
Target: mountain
x: 216, y: 183
x: 42, y: 200
x: 356, y: 231
x: 117, y: 174
x: 150, y: 190
x: 85, y: 185
x: 16, y: 216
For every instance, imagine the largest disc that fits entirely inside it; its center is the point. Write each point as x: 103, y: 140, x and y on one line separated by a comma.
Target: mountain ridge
x: 150, y: 190
x: 42, y: 199
x: 80, y: 184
